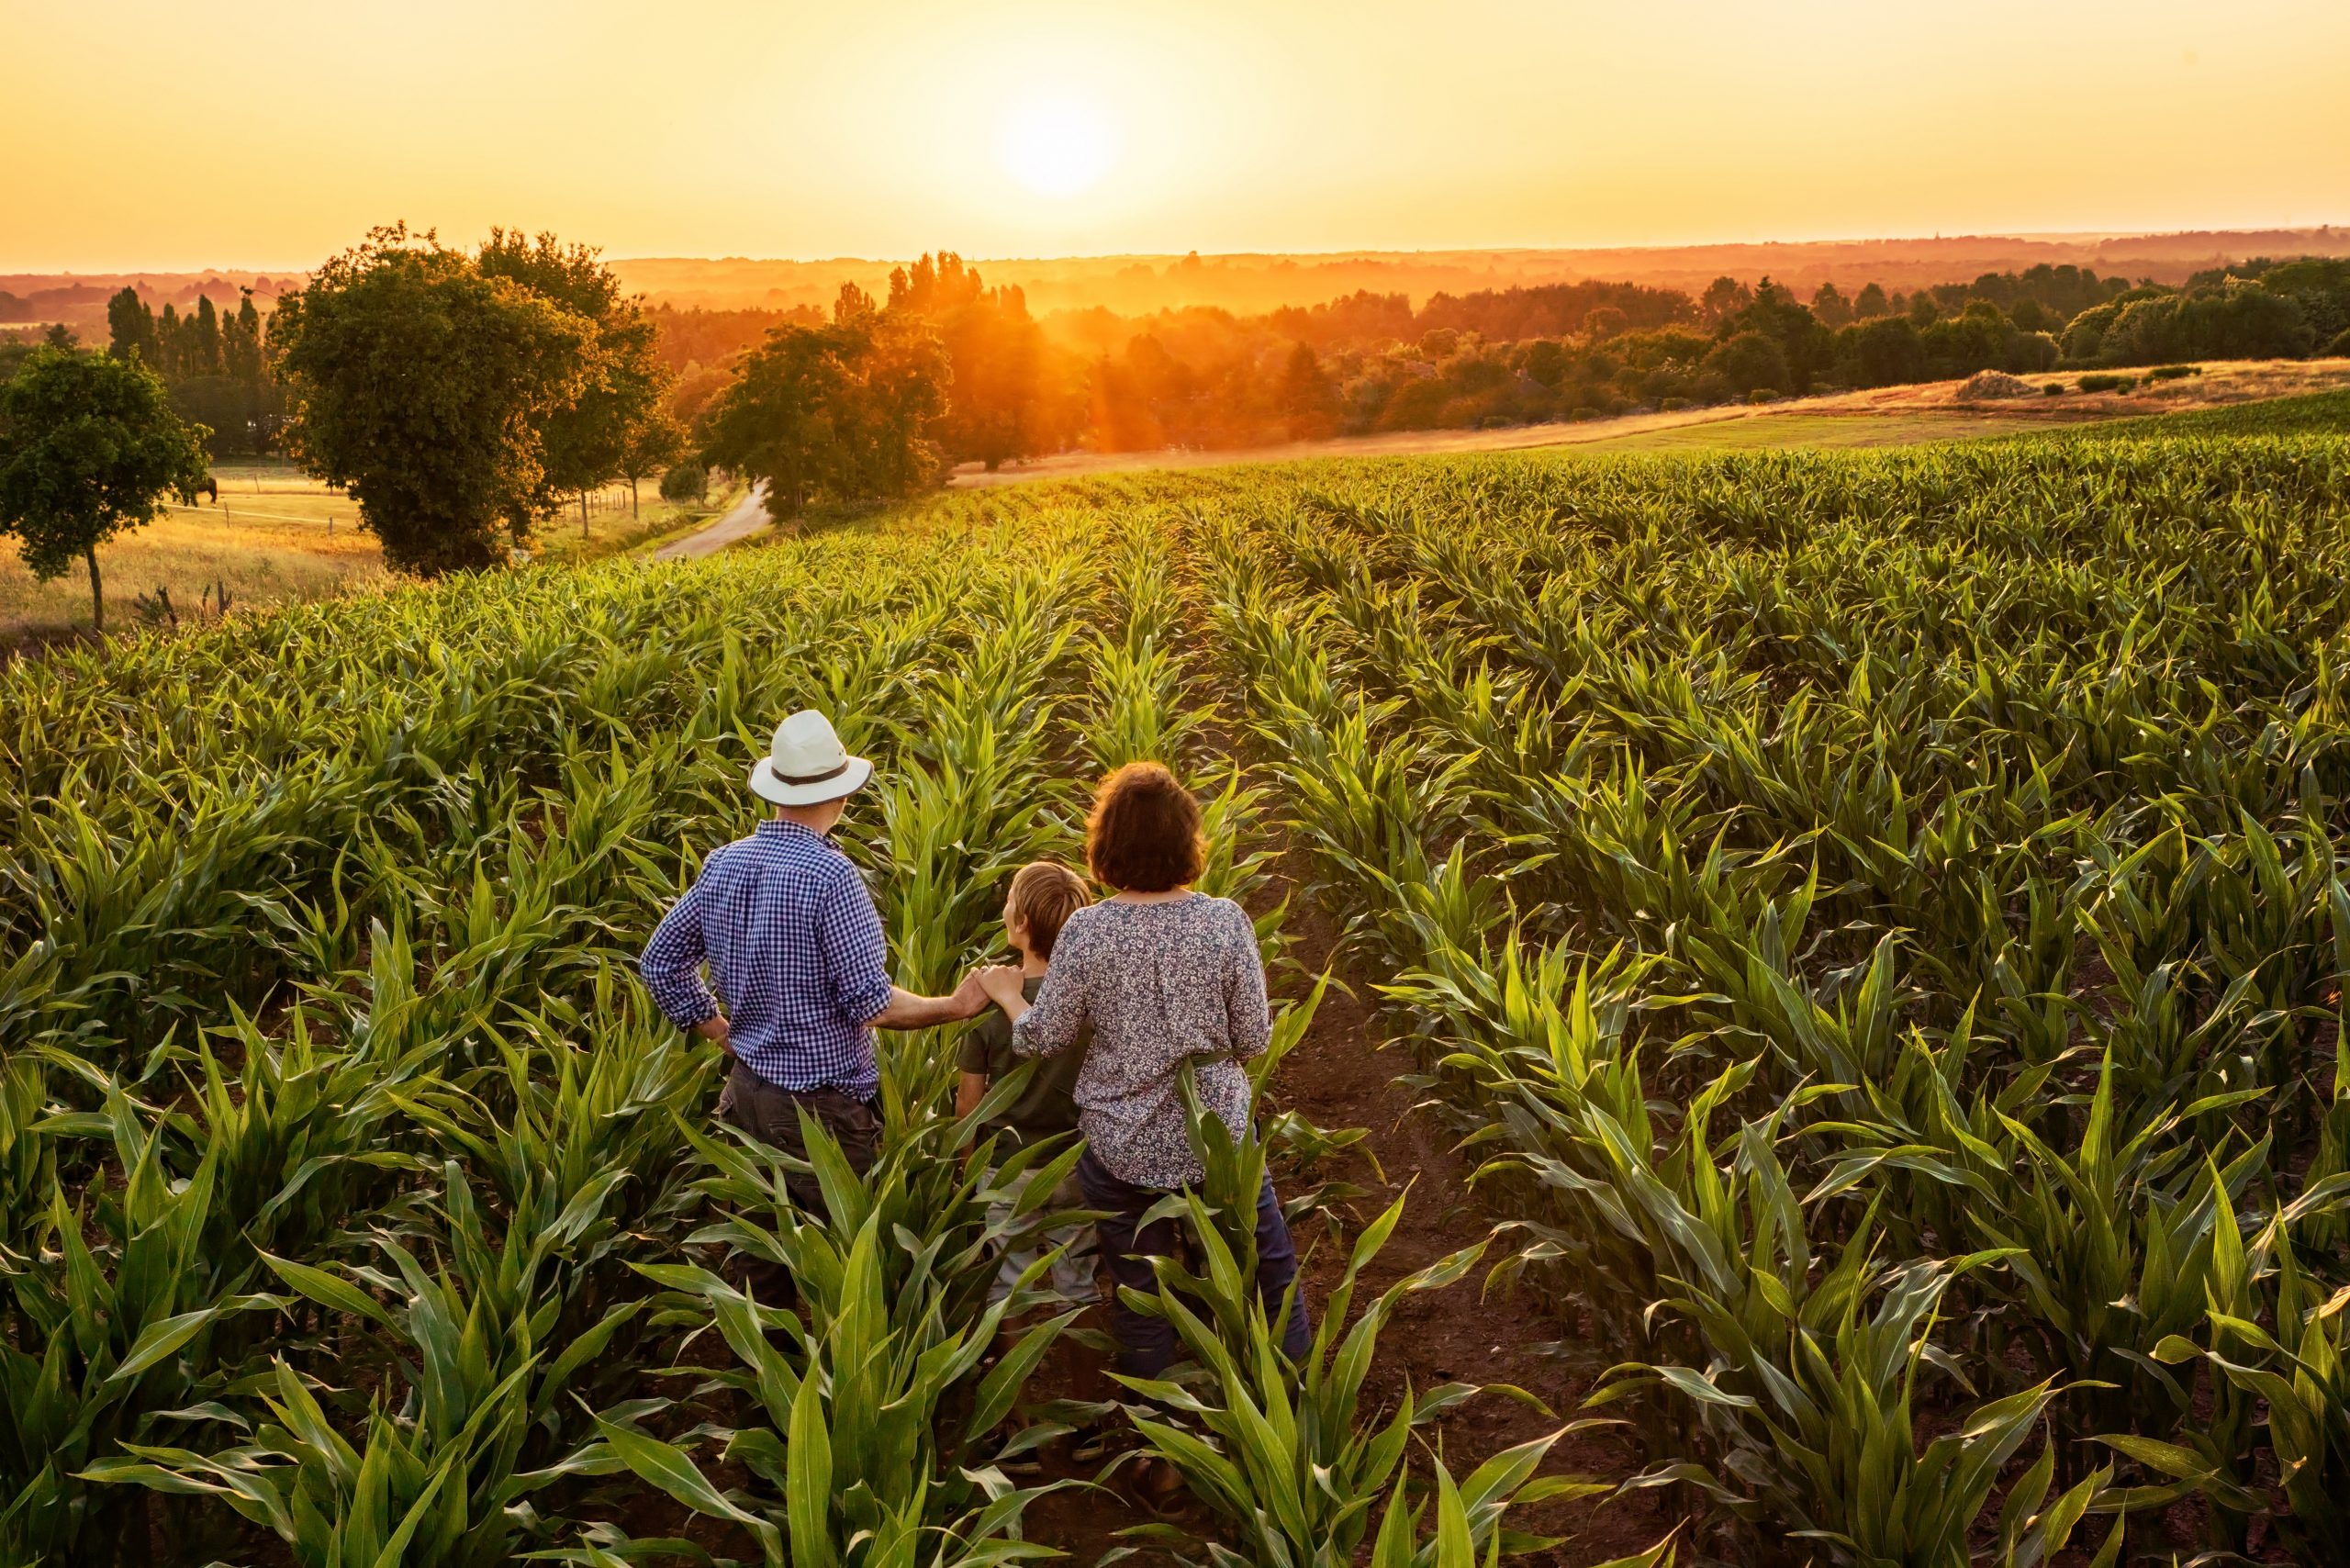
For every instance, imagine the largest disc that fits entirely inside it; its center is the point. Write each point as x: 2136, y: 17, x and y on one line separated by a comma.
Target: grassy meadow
x: 285, y: 556
x: 276, y: 536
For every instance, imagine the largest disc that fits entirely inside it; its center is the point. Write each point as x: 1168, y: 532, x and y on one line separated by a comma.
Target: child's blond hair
x: 1045, y: 893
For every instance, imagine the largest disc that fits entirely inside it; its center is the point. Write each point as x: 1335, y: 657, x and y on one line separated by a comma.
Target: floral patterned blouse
x: 1158, y: 985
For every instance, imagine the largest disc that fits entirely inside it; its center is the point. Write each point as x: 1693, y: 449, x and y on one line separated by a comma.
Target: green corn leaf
x: 330, y: 1292
x: 808, y: 1501
x: 668, y: 1468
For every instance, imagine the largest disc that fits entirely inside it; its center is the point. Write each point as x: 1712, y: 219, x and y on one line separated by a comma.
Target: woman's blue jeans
x: 1147, y: 1346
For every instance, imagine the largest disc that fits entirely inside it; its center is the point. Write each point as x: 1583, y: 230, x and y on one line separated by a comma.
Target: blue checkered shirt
x: 795, y: 948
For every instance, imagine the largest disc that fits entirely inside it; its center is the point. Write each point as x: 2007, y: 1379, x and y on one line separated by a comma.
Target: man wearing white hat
x: 797, y: 957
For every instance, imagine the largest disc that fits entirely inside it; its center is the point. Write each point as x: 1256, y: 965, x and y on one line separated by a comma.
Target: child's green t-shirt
x: 1048, y: 1106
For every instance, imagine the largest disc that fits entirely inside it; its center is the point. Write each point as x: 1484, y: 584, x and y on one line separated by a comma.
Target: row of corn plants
x: 1876, y: 917
x: 1883, y: 1013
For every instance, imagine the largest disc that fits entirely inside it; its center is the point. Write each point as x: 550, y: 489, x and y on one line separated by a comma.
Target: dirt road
x: 745, y: 517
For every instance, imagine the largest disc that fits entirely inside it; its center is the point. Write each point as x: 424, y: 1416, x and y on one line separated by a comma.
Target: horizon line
x: 2082, y: 236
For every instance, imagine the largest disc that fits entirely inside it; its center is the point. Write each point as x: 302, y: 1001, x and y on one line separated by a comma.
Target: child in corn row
x: 1043, y: 896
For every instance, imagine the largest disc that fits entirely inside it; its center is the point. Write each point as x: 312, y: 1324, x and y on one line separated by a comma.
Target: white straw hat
x: 807, y: 764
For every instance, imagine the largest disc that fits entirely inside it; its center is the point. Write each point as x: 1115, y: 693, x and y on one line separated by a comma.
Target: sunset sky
x: 271, y: 133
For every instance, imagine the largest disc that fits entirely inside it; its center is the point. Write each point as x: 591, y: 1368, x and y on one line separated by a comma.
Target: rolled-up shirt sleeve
x: 1058, y: 1017
x: 1248, y: 1014
x: 856, y: 954
x: 672, y: 963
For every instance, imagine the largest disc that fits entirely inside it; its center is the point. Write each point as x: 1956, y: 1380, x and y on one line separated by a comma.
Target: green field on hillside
x: 1826, y: 432
x: 2313, y: 413
x: 1874, y: 915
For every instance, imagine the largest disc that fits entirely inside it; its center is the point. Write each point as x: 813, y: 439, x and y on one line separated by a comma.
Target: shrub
x: 2236, y: 322
x: 686, y: 482
x: 2054, y: 389
x: 1748, y: 359
x: 1985, y: 384
x: 2102, y: 381
x: 1671, y: 405
x: 1763, y: 395
x: 2173, y: 372
x: 2340, y: 347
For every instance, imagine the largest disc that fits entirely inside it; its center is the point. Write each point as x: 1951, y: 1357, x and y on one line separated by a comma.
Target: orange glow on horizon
x: 161, y: 136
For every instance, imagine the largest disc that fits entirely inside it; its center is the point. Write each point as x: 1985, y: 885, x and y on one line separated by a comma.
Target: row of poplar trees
x: 215, y: 364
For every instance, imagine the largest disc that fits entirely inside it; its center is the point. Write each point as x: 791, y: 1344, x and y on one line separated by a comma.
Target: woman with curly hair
x: 1157, y: 976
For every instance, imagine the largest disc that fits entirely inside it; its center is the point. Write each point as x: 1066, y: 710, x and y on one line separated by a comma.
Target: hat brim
x: 768, y: 786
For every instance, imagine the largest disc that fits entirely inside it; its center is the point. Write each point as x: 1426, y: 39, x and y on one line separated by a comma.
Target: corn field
x: 1873, y: 921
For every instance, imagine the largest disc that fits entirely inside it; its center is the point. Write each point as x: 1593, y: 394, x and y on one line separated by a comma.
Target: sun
x: 1057, y: 145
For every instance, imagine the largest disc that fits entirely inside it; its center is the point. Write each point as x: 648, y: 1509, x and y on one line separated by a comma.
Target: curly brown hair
x: 1144, y: 834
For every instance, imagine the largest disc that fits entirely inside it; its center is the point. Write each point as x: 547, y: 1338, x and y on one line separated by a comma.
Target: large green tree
x: 841, y: 412
x: 608, y: 427
x: 89, y: 447
x: 424, y: 386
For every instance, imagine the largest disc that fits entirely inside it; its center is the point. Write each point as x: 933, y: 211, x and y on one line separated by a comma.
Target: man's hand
x: 970, y: 998
x: 1003, y: 983
x: 714, y: 1028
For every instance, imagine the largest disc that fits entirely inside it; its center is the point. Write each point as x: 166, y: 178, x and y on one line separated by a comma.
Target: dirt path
x: 745, y: 517
x: 1338, y: 1077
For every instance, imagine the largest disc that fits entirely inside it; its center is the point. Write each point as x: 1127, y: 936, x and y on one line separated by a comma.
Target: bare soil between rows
x: 1340, y: 1075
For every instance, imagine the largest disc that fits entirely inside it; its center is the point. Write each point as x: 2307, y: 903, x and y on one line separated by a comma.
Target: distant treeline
x: 995, y: 384
x: 215, y: 366
x: 1368, y: 362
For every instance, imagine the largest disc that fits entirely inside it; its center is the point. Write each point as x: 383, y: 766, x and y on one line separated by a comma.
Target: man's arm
x: 907, y: 1011
x: 858, y: 956
x: 671, y: 966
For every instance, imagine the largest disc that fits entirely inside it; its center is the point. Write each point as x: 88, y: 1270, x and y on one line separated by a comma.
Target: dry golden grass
x: 260, y: 562
x: 2222, y: 382
x: 274, y: 535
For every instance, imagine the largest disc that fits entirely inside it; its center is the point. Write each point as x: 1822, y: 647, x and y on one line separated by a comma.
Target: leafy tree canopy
x: 841, y: 412
x: 425, y: 386
x: 602, y: 432
x: 89, y: 447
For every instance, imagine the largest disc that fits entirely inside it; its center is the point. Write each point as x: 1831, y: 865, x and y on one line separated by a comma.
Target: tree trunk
x: 98, y: 593
x: 631, y: 497
x: 583, y: 514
